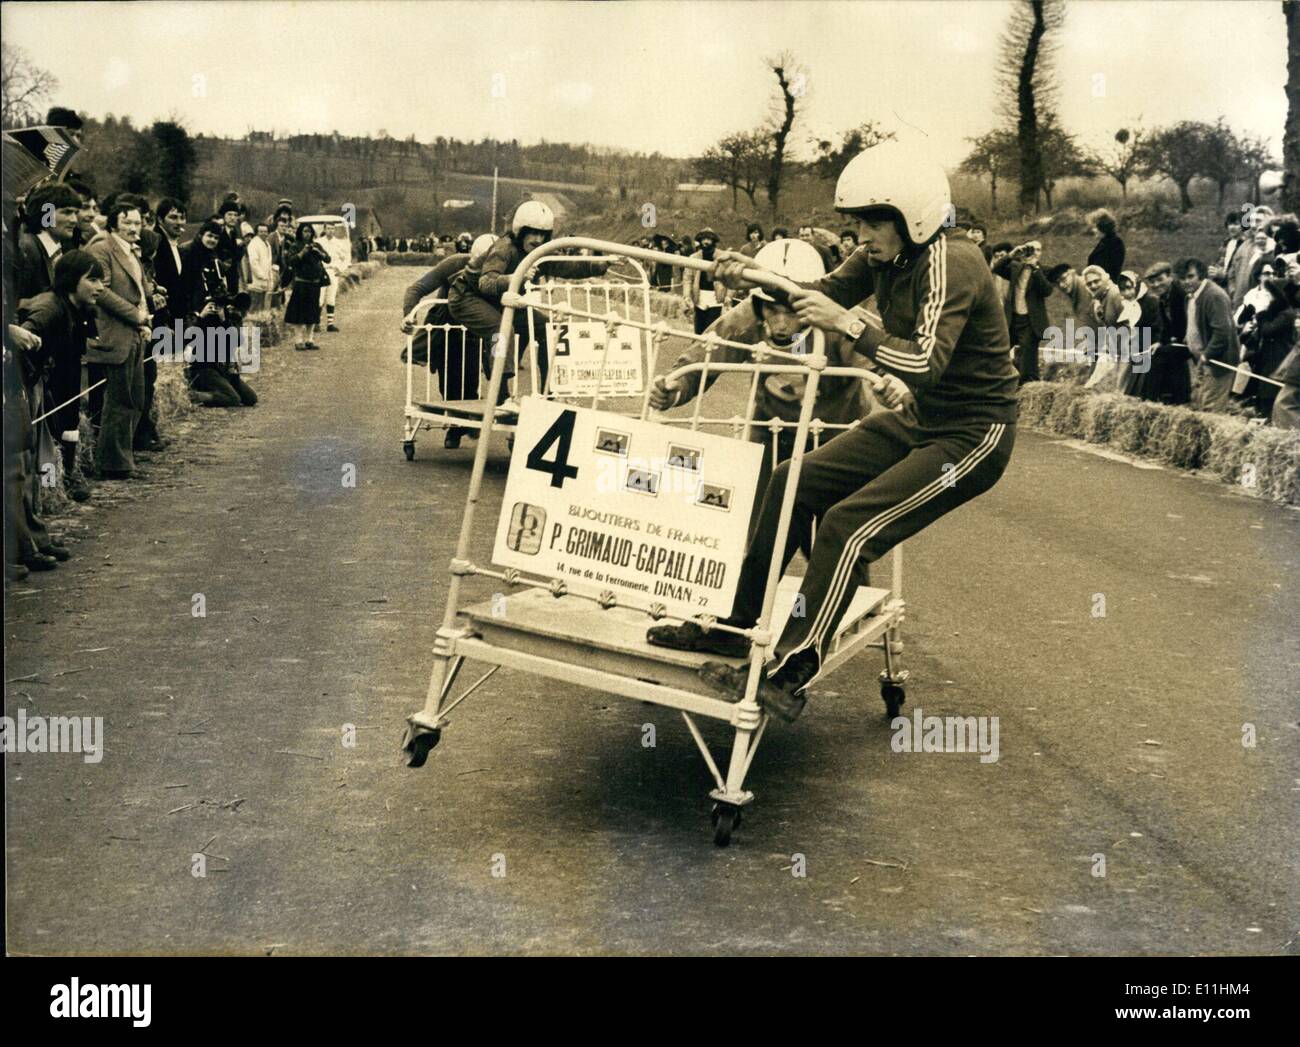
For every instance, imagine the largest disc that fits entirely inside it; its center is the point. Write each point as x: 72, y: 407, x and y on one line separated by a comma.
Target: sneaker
x: 331, y: 326
x: 311, y: 345
x: 690, y: 636
x: 784, y: 701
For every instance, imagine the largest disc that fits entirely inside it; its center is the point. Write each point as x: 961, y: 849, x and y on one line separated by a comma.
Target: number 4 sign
x: 652, y: 513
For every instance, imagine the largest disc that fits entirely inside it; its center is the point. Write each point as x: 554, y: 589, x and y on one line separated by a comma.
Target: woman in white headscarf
x: 1140, y: 314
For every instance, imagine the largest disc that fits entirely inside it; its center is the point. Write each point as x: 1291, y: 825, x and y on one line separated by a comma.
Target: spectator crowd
x: 99, y: 288
x: 1219, y: 334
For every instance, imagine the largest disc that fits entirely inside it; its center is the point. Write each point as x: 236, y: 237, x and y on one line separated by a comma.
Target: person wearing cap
x: 698, y: 289
x: 940, y: 334
x: 1026, y: 305
x: 766, y: 317
x: 1170, y: 378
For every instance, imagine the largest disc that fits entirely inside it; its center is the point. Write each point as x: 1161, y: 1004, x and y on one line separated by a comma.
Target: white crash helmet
x: 796, y: 260
x: 532, y: 214
x: 481, y: 246
x: 901, y: 178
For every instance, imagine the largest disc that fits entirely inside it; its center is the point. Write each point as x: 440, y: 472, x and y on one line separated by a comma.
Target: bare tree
x: 792, y: 81
x: 1060, y: 157
x: 24, y: 88
x: 1221, y: 159
x: 1122, y: 160
x: 1291, y: 136
x: 1178, y: 153
x: 739, y: 160
x: 992, y: 154
x: 1256, y: 158
x: 1026, y: 83
x: 831, y: 160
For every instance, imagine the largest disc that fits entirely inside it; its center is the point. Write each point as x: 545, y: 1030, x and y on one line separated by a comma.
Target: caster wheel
x: 726, y: 818
x: 894, y: 697
x: 408, y: 449
x: 417, y: 746
x: 452, y: 440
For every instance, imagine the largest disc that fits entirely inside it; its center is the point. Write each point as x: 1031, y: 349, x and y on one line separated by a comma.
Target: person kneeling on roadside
x: 942, y: 331
x: 767, y: 316
x: 476, y: 291
x: 213, y: 361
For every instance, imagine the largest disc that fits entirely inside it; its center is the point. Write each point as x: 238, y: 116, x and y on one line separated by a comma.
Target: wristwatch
x: 856, y: 326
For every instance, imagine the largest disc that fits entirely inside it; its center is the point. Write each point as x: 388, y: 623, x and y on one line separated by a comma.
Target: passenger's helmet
x: 481, y: 246
x: 901, y: 178
x: 796, y: 260
x: 532, y: 214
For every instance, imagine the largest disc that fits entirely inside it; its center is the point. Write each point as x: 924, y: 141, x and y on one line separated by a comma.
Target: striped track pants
x: 868, y: 489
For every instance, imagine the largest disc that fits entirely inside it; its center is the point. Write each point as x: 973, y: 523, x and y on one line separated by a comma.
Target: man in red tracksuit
x: 942, y: 332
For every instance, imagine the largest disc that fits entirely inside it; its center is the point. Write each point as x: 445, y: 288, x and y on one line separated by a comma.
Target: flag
x: 52, y: 146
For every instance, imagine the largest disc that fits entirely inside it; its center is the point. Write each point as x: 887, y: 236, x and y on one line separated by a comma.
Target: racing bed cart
x: 454, y: 400
x: 612, y: 522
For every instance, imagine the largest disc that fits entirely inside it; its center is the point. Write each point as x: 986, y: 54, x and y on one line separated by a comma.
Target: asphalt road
x: 1119, y: 735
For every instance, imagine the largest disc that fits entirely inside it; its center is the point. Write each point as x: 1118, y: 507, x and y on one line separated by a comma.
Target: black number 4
x: 561, y: 431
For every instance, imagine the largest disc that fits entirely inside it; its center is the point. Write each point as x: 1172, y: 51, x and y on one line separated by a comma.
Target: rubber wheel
x: 417, y: 746
x: 894, y: 697
x: 451, y: 440
x: 408, y: 449
x: 726, y: 819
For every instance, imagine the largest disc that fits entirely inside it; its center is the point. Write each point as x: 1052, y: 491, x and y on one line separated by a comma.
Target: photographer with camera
x: 307, y: 260
x: 213, y: 373
x: 1025, y: 304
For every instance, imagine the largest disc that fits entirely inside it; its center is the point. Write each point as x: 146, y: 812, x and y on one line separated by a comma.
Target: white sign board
x: 577, y: 348
x: 651, y: 513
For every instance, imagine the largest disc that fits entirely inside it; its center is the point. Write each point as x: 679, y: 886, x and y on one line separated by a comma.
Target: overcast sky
x: 645, y: 74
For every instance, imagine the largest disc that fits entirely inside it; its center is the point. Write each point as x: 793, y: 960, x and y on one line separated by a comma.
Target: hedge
x: 1260, y: 459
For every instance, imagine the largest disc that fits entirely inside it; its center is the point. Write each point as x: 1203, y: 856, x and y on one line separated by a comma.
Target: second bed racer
x: 941, y: 330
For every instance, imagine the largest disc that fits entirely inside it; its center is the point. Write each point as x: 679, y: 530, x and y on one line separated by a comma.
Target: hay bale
x: 1036, y: 402
x: 1100, y: 416
x: 1133, y: 425
x: 1185, y: 441
x: 171, y: 395
x: 1066, y: 414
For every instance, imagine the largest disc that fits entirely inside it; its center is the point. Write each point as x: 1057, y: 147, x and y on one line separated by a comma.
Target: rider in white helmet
x: 766, y: 316
x: 458, y: 375
x: 941, y: 330
x: 475, y: 298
